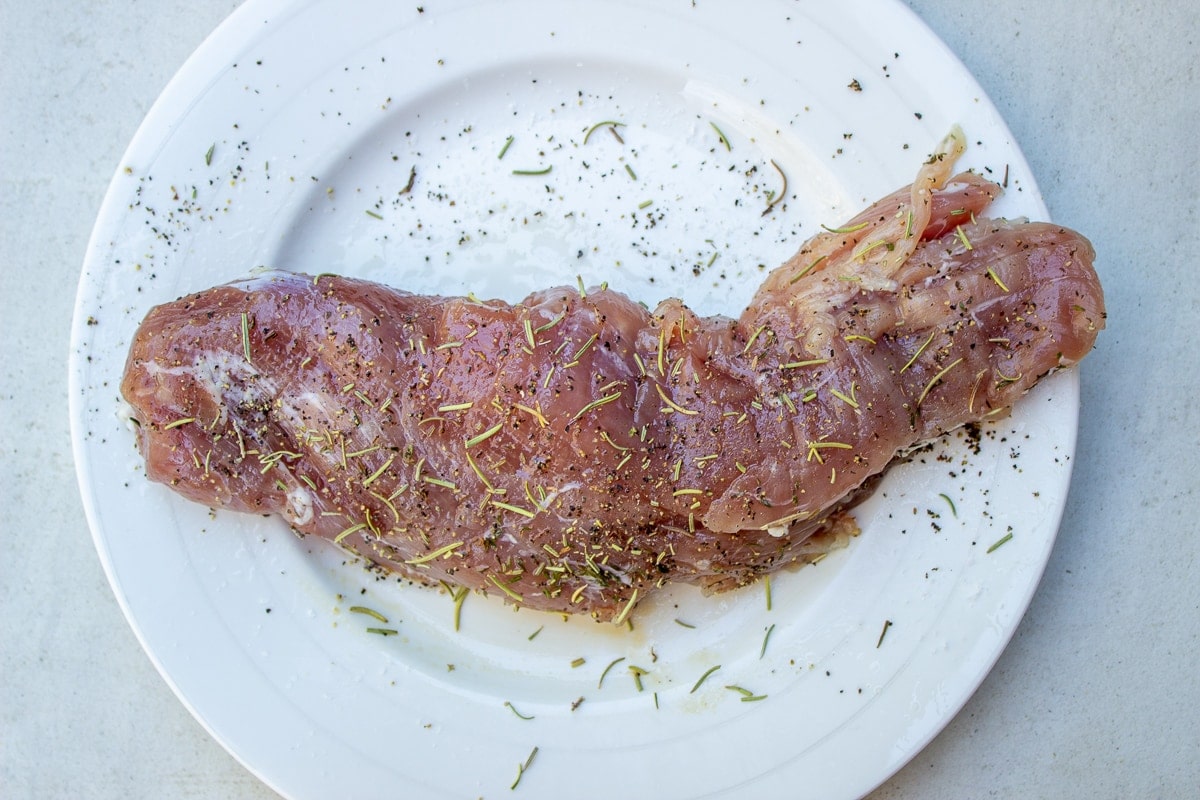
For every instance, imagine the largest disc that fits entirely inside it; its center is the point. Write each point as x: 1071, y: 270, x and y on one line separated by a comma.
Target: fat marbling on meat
x: 574, y: 451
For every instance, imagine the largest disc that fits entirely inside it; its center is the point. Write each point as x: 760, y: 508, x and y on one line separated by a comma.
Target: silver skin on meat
x: 574, y: 451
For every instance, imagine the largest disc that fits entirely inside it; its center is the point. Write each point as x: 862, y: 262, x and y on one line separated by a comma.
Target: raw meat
x: 575, y: 451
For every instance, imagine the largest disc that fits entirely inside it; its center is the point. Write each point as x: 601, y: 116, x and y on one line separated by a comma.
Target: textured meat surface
x: 574, y: 451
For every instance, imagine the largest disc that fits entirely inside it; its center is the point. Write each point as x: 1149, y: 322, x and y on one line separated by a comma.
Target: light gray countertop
x: 1098, y: 694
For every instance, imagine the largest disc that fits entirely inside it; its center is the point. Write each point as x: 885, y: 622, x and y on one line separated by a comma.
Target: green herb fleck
x: 806, y: 270
x: 847, y: 229
x: 513, y: 709
x: 929, y: 386
x: 507, y: 143
x: 246, y: 336
x: 490, y: 432
x: 352, y: 529
x: 703, y: 678
x: 772, y: 199
x: 628, y: 607
x: 920, y: 350
x: 1002, y: 540
x: 521, y: 768
x: 436, y: 554
x: 524, y: 512
x: 766, y: 638
x: 966, y: 243
x: 370, y: 612
x: 604, y: 674
x: 598, y: 125
x: 459, y: 595
x: 596, y: 404
x: 500, y: 585
x: 887, y: 623
x: 747, y: 695
x: 721, y: 135
x: 637, y: 673
x: 992, y: 274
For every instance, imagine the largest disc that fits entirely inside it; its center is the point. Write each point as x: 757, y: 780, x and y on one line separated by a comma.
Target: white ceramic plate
x: 289, y: 140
